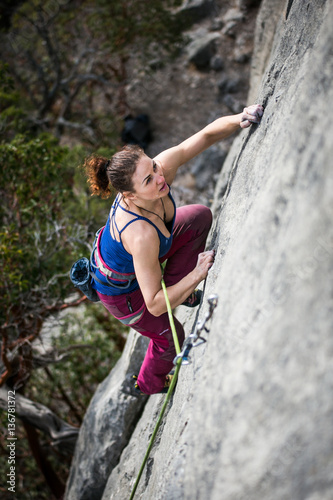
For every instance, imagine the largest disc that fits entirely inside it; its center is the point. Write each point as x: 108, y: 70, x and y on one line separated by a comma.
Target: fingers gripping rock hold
x: 205, y: 262
x: 251, y: 114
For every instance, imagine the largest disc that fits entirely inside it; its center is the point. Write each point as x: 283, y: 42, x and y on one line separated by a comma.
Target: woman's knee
x: 170, y: 351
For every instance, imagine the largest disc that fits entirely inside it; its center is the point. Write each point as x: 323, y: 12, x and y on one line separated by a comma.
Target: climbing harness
x: 82, y: 272
x: 179, y: 360
x: 113, y: 278
x: 195, y: 339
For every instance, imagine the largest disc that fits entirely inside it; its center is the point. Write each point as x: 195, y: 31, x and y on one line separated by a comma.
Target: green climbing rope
x: 169, y: 393
x: 172, y: 323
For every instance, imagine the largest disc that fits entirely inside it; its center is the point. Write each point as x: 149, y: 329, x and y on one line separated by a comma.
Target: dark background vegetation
x: 64, y: 69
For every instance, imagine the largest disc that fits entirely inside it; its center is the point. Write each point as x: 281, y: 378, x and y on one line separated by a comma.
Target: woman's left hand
x: 251, y: 114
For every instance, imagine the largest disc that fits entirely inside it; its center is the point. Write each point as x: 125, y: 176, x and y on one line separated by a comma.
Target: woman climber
x: 143, y: 230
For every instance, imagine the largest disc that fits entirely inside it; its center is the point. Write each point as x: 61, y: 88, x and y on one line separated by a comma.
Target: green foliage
x: 47, y: 217
x: 88, y: 210
x: 33, y: 187
x: 13, y: 118
x: 151, y: 26
x: 66, y: 67
x: 99, y: 339
x: 48, y: 220
x: 72, y: 60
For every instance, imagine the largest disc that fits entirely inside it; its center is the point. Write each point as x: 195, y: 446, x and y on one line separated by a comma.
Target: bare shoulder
x: 141, y: 237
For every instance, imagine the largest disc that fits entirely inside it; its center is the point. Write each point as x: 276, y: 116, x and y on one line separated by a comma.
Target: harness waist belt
x: 124, y: 279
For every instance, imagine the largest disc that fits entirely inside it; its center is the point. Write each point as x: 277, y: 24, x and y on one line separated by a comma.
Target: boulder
x: 202, y: 49
x: 107, y: 426
x: 217, y: 63
x: 233, y: 104
x: 247, y: 4
x: 229, y: 85
x: 193, y: 11
x: 206, y: 166
x: 137, y: 130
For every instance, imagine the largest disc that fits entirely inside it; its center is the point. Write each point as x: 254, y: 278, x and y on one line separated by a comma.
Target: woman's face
x: 148, y: 180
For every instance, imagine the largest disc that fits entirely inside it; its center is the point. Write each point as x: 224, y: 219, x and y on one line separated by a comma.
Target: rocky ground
x: 209, y: 79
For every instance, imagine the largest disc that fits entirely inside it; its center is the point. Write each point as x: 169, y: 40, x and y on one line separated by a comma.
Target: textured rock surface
x: 251, y: 417
x: 107, y: 426
x: 269, y: 27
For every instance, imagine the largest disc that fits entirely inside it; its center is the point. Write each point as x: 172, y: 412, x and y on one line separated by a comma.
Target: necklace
x: 154, y: 213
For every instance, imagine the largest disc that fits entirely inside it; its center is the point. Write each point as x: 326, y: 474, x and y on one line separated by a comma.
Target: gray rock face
x: 251, y: 417
x: 269, y: 30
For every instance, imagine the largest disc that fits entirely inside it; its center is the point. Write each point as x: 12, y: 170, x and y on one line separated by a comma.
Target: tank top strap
x: 112, y: 218
x: 113, y: 223
x: 136, y: 217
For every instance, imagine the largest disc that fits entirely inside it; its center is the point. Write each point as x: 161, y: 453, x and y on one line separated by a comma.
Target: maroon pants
x: 190, y: 232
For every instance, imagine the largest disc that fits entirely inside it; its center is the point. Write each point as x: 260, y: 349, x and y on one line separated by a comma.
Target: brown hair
x: 104, y: 174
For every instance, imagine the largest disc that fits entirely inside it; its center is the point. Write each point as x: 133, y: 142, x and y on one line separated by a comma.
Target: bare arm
x: 148, y: 272
x: 172, y: 158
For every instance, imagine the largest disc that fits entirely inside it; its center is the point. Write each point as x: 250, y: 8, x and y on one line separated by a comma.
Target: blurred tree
x: 145, y: 33
x: 34, y: 237
x: 67, y: 67
x: 47, y: 218
x: 7, y: 9
x: 72, y: 59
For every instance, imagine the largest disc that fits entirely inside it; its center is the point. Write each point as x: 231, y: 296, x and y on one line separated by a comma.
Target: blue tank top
x: 114, y: 253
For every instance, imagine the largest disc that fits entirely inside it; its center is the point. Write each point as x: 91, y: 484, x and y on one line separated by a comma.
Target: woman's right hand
x: 251, y: 114
x: 205, y: 262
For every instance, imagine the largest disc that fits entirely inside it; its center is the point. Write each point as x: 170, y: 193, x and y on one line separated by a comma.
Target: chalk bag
x: 81, y: 278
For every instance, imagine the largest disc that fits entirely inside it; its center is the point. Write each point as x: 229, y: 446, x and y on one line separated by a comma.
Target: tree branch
x: 76, y: 126
x: 53, y: 356
x: 53, y: 481
x: 63, y: 393
x: 39, y: 416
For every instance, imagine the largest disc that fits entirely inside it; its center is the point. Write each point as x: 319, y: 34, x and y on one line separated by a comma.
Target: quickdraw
x: 195, y: 339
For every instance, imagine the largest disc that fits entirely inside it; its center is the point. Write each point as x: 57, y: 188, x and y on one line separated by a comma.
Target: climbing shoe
x: 165, y: 389
x: 137, y: 390
x: 167, y: 383
x: 194, y: 299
